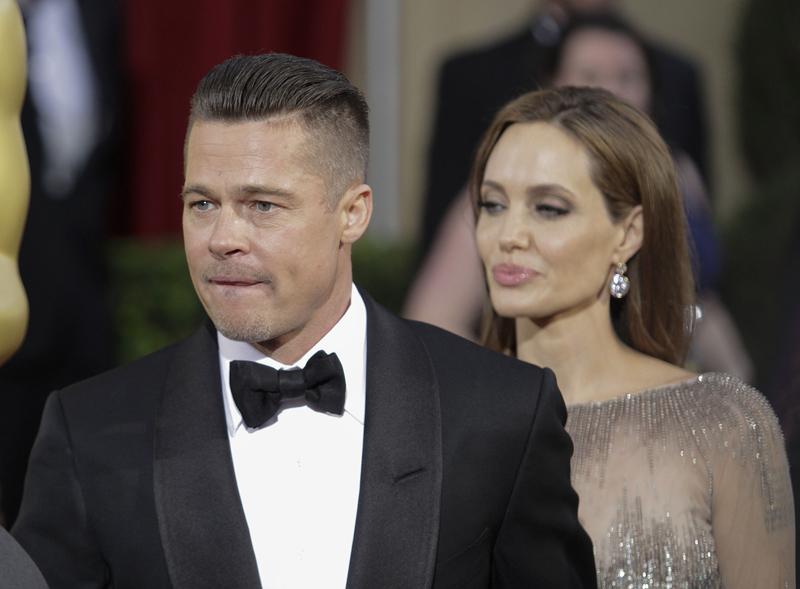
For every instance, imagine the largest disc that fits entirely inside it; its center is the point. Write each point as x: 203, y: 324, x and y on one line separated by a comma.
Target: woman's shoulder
x: 721, y: 397
x: 737, y: 421
x: 722, y: 407
x: 732, y: 400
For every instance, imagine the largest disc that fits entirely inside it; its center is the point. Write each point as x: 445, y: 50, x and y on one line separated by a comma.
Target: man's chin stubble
x: 242, y: 331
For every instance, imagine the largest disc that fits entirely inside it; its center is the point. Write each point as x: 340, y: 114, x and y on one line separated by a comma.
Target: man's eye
x: 263, y: 206
x: 201, y: 205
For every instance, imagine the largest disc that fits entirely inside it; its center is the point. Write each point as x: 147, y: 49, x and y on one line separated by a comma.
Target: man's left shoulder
x: 455, y: 354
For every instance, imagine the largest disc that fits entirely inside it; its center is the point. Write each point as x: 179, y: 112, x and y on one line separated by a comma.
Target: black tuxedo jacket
x: 465, y: 475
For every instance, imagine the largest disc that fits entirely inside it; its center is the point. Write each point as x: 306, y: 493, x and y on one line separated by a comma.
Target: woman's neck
x: 591, y: 363
x: 588, y: 358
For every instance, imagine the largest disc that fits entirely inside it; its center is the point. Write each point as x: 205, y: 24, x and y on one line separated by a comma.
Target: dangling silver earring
x: 620, y: 284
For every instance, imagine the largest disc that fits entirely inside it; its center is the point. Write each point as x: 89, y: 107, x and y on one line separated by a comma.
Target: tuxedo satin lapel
x: 397, y: 526
x: 203, y: 528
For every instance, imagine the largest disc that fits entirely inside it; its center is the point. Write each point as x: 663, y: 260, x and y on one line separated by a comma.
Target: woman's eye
x: 263, y: 206
x: 548, y: 210
x: 490, y: 206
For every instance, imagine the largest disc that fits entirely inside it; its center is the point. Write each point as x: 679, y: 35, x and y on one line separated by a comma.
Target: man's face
x: 263, y: 239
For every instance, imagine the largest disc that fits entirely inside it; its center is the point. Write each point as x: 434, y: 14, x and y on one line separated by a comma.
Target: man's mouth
x: 233, y: 282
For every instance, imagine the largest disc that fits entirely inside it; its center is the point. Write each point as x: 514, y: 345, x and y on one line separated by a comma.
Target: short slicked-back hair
x: 331, y: 110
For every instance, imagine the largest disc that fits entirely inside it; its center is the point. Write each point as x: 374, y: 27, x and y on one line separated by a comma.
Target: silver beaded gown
x: 685, y: 486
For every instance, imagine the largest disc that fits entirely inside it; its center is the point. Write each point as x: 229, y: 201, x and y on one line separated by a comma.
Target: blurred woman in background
x: 683, y: 478
x: 602, y: 50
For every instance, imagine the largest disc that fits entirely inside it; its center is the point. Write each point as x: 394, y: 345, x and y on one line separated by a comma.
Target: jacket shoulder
x: 454, y: 353
x: 124, y: 391
x: 134, y: 373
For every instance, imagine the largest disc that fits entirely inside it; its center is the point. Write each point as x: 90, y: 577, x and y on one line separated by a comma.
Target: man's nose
x: 229, y: 237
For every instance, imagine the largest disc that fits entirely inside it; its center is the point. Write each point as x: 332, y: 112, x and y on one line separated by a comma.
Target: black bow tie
x: 260, y: 390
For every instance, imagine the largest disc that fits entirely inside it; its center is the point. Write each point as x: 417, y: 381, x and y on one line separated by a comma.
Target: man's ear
x: 355, y: 210
x: 632, y: 235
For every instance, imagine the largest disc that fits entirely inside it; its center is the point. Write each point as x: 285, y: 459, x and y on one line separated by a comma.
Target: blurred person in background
x: 475, y: 83
x: 683, y: 478
x: 600, y: 50
x: 70, y: 121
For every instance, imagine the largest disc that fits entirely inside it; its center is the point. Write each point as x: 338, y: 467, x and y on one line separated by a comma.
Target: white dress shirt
x: 299, y: 474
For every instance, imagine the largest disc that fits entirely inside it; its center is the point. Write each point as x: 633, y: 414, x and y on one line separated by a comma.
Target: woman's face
x: 546, y: 239
x: 608, y: 60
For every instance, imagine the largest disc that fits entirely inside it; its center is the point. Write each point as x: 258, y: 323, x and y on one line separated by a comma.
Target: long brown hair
x: 630, y: 165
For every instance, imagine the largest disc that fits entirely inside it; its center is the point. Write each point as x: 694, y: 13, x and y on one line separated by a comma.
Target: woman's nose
x: 515, y: 235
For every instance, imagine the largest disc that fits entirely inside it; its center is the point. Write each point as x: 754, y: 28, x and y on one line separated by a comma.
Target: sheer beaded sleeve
x: 752, y: 510
x: 685, y: 485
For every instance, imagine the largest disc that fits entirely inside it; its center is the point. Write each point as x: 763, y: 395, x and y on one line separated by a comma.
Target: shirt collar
x: 347, y: 339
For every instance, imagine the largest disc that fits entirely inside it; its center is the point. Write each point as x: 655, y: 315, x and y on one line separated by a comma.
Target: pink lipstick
x: 512, y: 275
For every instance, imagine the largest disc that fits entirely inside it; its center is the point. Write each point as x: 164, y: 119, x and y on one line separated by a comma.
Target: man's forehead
x: 284, y: 125
x: 280, y: 139
x: 254, y: 147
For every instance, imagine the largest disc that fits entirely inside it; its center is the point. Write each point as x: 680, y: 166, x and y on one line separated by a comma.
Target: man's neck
x: 290, y: 347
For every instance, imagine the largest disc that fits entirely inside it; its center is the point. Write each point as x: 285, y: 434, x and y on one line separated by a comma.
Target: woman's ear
x: 632, y: 235
x: 355, y: 210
